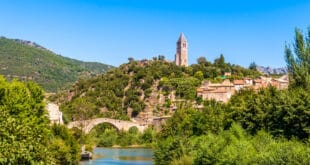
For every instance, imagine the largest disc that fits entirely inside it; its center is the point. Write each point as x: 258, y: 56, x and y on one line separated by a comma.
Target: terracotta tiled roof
x: 209, y: 89
x: 221, y: 85
x: 219, y: 91
x: 239, y: 82
x: 199, y: 89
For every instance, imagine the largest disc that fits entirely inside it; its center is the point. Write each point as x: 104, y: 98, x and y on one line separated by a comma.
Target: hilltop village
x: 223, y: 91
x: 160, y: 106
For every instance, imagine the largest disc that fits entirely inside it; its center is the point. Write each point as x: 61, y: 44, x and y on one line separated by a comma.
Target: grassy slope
x: 52, y: 71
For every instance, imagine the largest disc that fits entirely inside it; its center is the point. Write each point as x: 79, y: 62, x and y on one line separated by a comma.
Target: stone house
x: 217, y: 91
x: 281, y: 83
x: 248, y: 81
x: 54, y: 114
x: 223, y: 91
x: 227, y: 74
x: 239, y: 84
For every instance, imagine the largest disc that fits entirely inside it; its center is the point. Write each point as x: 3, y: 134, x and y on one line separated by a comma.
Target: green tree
x: 203, y: 61
x: 108, y: 138
x: 24, y: 133
x: 131, y: 59
x: 199, y: 75
x: 148, y: 136
x: 133, y: 130
x: 161, y: 57
x: 298, y: 63
x: 220, y: 62
x: 281, y: 113
x: 253, y: 66
x: 64, y: 146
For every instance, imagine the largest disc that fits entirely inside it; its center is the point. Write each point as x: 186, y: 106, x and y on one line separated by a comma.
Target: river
x: 120, y: 156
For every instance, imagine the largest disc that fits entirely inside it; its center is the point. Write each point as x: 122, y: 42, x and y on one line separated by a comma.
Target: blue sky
x: 110, y: 31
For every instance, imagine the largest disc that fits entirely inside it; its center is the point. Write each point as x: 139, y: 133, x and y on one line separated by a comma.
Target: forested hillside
x: 142, y: 88
x: 26, y: 60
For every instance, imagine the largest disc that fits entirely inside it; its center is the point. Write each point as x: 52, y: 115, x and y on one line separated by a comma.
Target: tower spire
x: 182, y: 37
x: 181, y: 52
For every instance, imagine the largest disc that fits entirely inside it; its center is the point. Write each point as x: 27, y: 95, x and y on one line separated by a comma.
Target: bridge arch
x: 105, y: 126
x: 88, y: 125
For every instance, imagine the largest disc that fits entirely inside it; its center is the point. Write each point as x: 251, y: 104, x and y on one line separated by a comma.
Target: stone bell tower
x: 181, y: 54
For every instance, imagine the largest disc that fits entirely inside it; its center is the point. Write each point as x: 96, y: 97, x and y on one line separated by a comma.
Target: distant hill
x: 272, y: 71
x: 26, y: 60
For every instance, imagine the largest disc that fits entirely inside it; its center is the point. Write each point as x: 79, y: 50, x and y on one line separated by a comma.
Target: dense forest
x: 29, y: 61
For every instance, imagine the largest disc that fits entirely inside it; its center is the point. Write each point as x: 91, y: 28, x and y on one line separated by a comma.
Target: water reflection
x: 121, y: 156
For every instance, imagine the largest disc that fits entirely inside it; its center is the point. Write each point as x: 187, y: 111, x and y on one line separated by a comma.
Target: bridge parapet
x: 88, y: 125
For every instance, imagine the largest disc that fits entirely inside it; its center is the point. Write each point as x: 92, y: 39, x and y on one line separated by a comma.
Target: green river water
x: 120, y: 156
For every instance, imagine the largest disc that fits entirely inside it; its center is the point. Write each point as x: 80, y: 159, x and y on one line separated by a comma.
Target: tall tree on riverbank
x: 298, y: 63
x: 26, y: 136
x: 24, y: 133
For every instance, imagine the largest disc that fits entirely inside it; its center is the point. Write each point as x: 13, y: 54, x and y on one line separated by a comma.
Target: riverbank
x: 146, y: 146
x: 138, y: 146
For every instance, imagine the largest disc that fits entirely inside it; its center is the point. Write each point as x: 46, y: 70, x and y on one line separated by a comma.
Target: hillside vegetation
x: 142, y: 88
x: 26, y: 60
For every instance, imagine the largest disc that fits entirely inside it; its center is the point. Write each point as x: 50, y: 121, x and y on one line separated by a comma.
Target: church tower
x: 181, y: 54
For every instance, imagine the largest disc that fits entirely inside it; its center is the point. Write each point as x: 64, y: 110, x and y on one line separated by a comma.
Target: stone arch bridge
x: 88, y: 125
